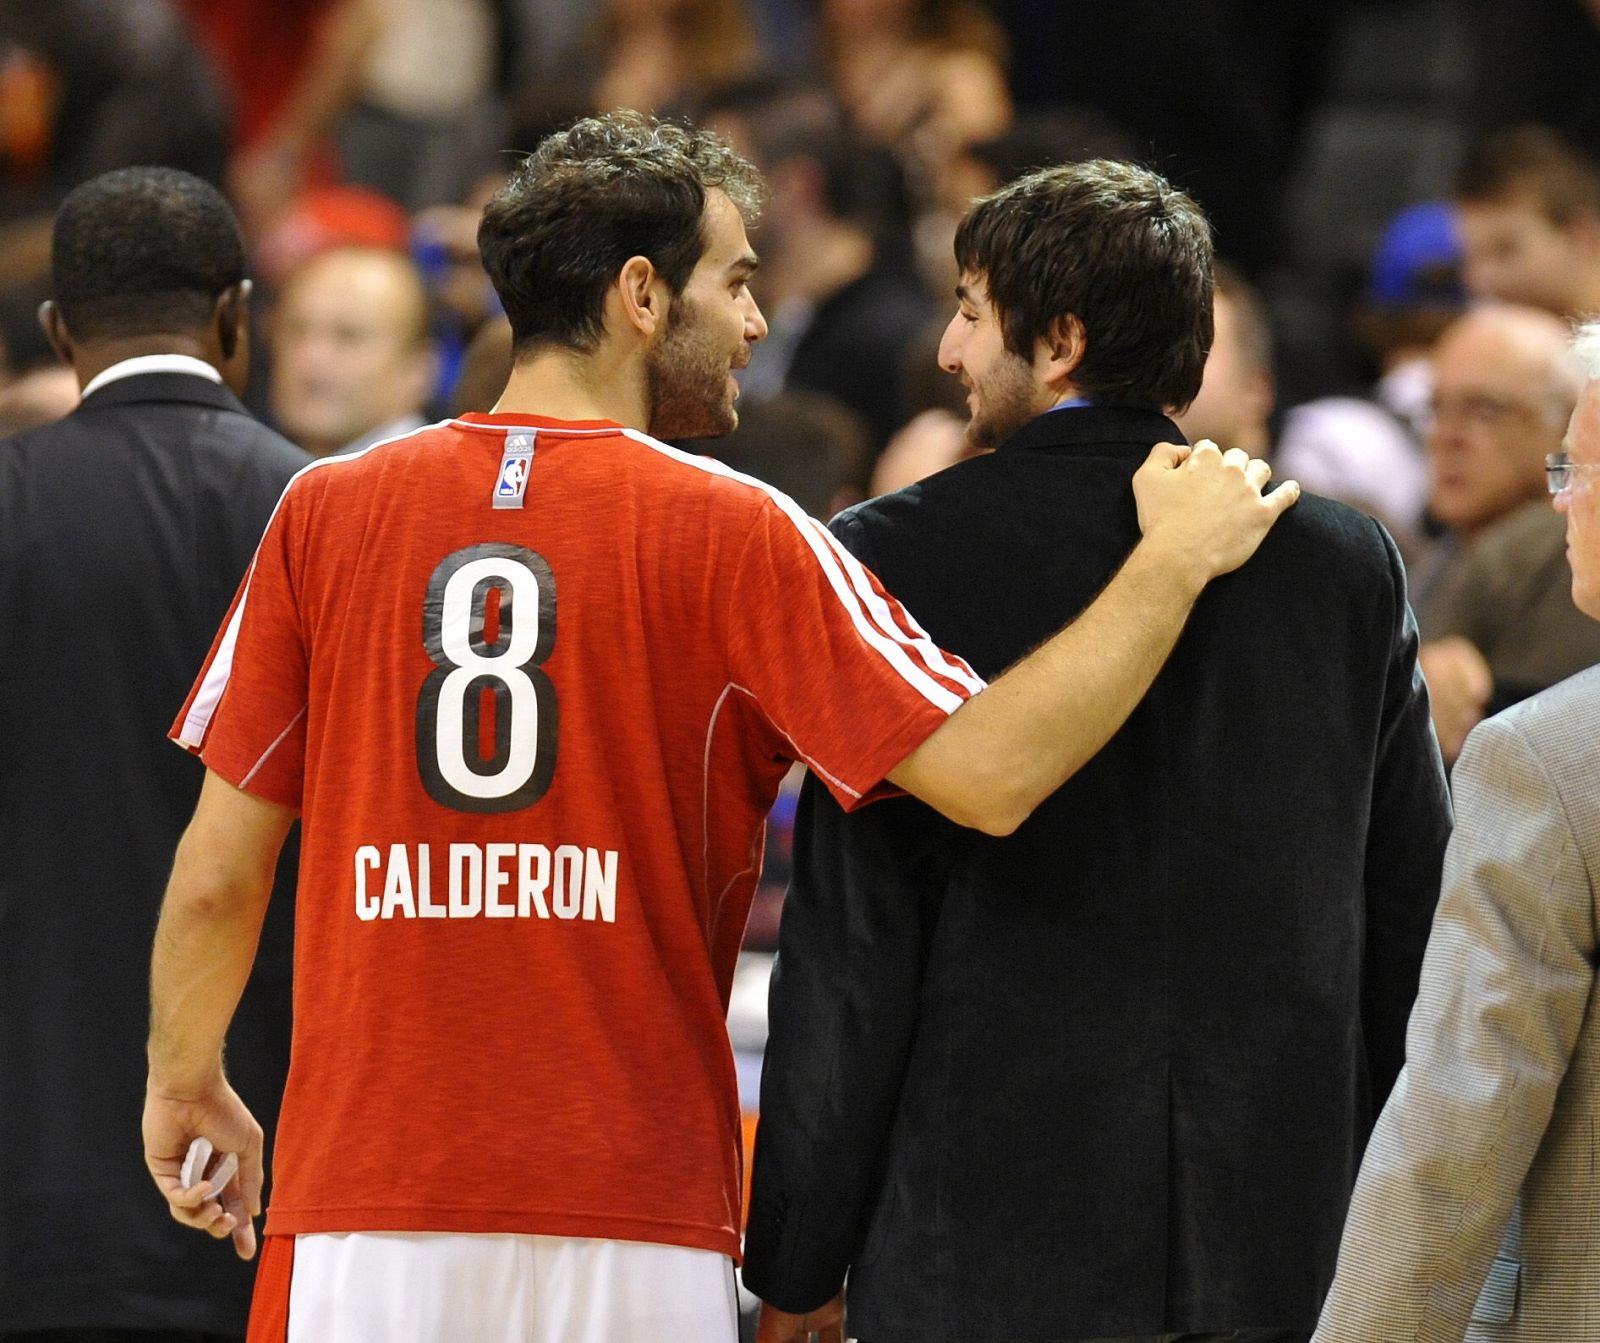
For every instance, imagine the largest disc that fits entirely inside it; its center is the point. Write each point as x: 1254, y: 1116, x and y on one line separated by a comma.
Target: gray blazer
x: 1491, y: 1137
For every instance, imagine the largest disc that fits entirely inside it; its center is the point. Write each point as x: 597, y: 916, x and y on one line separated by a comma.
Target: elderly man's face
x: 1494, y: 420
x: 1580, y: 501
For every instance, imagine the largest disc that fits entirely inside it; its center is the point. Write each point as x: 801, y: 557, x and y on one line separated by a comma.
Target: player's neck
x: 564, y: 385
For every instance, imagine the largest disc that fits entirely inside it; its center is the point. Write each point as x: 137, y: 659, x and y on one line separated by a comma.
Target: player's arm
x: 1012, y: 745
x: 205, y: 945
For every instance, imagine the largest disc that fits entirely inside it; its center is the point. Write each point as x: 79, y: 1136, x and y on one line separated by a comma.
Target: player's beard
x: 686, y: 380
x: 1004, y: 401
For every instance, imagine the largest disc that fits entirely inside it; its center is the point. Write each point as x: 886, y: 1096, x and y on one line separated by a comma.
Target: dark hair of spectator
x: 1532, y: 160
x: 1119, y: 248
x: 861, y: 183
x: 143, y: 250
x: 586, y: 200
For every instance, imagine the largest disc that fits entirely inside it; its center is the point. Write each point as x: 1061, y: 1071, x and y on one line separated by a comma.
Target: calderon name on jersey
x: 490, y: 881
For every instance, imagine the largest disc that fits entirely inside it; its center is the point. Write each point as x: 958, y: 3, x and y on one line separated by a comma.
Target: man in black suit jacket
x: 124, y: 531
x: 1109, y: 1077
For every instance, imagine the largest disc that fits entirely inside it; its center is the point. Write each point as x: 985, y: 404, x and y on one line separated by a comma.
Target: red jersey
x: 533, y: 685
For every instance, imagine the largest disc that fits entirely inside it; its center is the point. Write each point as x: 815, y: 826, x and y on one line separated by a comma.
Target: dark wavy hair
x: 586, y: 200
x: 1116, y: 246
x: 1562, y: 180
x: 143, y: 250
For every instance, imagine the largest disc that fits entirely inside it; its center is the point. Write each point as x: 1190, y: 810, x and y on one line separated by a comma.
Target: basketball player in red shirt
x: 531, y: 680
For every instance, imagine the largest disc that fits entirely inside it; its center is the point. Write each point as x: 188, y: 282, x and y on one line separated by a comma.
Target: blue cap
x: 1418, y: 260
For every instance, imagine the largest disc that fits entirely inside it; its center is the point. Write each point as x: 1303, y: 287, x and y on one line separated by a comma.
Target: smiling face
x: 1580, y: 501
x: 1003, y: 392
x: 710, y: 329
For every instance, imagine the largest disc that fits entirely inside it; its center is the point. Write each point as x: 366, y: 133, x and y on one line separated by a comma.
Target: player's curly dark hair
x: 143, y: 250
x: 586, y: 200
x: 1116, y: 246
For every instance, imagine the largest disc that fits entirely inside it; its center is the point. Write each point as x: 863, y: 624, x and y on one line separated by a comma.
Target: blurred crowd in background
x: 1406, y: 193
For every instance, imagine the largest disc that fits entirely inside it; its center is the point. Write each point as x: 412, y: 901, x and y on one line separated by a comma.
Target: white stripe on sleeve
x: 933, y: 657
x: 892, y: 645
x: 206, y: 699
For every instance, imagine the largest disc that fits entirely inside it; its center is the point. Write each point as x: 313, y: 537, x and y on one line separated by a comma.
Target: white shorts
x: 404, y: 1287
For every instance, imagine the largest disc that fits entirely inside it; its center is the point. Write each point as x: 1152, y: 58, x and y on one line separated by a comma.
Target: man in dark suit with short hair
x: 124, y: 530
x: 1109, y: 1077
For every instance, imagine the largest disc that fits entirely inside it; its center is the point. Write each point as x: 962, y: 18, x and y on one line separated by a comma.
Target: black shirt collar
x: 1095, y: 427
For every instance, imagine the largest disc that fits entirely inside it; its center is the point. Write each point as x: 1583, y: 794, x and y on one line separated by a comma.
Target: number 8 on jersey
x: 469, y: 666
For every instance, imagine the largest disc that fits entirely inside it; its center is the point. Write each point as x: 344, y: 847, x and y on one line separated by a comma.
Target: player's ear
x: 1059, y: 353
x: 55, y: 331
x: 642, y: 295
x: 232, y: 317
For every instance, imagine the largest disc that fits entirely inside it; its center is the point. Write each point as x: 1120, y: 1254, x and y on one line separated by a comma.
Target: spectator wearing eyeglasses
x: 1561, y: 473
x: 1494, y: 601
x: 1474, y: 1214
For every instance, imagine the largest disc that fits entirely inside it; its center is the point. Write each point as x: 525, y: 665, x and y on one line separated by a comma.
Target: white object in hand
x: 195, y: 1161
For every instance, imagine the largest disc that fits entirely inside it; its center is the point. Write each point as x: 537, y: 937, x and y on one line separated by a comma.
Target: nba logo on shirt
x: 513, y: 476
x: 511, y: 483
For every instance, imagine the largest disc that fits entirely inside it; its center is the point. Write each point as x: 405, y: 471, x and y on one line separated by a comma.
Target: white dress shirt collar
x: 152, y: 363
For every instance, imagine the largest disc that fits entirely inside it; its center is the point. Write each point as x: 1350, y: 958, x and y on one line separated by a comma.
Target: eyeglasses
x: 1559, y: 469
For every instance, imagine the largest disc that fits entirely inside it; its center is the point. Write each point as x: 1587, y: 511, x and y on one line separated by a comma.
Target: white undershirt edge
x: 152, y: 363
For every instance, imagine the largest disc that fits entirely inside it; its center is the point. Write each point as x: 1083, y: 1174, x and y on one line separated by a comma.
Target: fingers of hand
x: 195, y: 1207
x: 1285, y: 497
x: 189, y: 1198
x: 244, y: 1232
x: 1205, y: 452
x: 251, y: 1175
x: 207, y: 1215
x: 165, y: 1169
x: 1167, y: 455
x: 1237, y: 458
x: 1258, y: 473
x: 245, y: 1238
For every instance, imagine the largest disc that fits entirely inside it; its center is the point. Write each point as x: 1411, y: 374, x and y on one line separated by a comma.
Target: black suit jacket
x: 1111, y: 1075
x: 124, y: 530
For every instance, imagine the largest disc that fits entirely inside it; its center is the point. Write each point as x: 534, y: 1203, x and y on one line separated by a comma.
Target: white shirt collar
x: 152, y: 363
